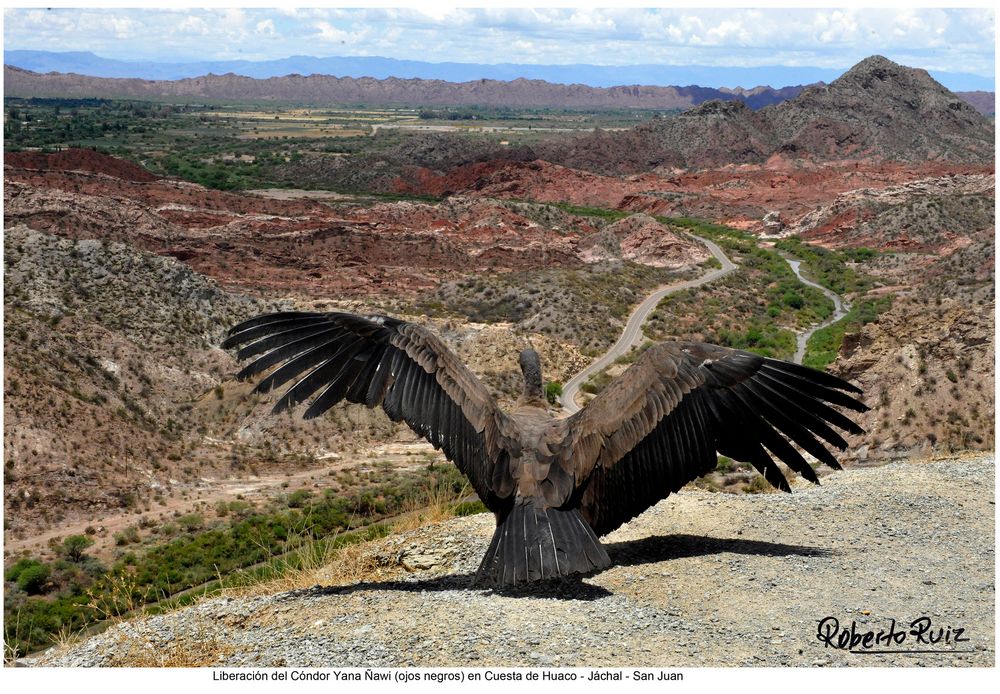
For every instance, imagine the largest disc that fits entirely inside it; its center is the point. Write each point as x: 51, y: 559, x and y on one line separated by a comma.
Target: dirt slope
x: 699, y: 580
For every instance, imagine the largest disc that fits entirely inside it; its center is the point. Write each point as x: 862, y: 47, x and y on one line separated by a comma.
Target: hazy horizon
x: 379, y: 67
x: 946, y: 42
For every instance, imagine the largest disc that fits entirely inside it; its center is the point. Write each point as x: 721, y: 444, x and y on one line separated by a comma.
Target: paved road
x: 840, y: 310
x: 632, y: 335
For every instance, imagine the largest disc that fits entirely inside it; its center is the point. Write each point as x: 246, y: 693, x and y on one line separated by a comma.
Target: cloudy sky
x: 949, y: 40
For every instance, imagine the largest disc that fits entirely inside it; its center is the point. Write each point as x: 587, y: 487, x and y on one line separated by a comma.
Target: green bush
x: 793, y: 299
x: 31, y: 579
x: 74, y: 547
x: 553, y: 391
x: 470, y: 508
x: 299, y: 498
x: 192, y: 522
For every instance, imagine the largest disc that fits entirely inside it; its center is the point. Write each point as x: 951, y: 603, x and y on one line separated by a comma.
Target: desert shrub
x: 127, y: 536
x: 74, y: 547
x: 758, y: 485
x: 192, y: 522
x: 32, y: 578
x: 299, y: 498
x: 553, y: 391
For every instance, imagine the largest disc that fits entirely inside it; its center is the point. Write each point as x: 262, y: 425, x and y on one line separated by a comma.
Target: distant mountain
x: 881, y: 108
x: 877, y: 109
x: 324, y: 89
x: 984, y: 102
x: 85, y: 63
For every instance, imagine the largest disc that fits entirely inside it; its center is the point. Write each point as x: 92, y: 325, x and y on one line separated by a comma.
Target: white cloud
x: 436, y: 12
x: 839, y: 26
x: 328, y: 32
x: 941, y: 39
x: 193, y: 25
x: 235, y: 17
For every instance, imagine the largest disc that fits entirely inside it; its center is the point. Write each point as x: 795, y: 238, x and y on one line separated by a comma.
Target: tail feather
x: 534, y: 543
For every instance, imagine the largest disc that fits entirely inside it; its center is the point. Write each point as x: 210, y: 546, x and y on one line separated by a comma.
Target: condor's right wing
x: 661, y: 424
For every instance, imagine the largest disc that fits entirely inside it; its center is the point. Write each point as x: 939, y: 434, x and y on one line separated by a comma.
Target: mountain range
x: 87, y: 63
x: 321, y: 89
x: 877, y: 110
x: 316, y: 89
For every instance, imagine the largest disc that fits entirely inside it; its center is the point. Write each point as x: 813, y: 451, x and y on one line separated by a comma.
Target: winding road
x: 632, y: 335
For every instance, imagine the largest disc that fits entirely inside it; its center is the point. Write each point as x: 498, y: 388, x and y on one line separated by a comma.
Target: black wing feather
x: 664, y: 421
x: 384, y: 361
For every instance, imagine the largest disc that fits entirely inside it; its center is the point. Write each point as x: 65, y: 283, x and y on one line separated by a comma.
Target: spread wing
x: 384, y: 361
x: 659, y: 425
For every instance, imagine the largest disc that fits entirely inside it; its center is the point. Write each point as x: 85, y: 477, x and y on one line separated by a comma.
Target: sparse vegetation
x: 757, y: 308
x: 824, y: 345
x: 586, y: 305
x: 42, y: 599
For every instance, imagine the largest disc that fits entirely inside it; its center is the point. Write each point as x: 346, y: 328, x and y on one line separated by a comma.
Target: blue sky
x: 949, y: 40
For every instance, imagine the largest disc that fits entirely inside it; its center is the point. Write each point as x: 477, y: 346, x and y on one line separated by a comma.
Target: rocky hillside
x: 929, y: 215
x: 106, y: 352
x: 642, y: 239
x: 882, y: 109
x: 700, y: 579
x: 713, y: 134
x: 740, y: 196
x: 320, y: 249
x: 79, y: 160
x: 928, y: 374
x: 877, y: 109
x: 927, y: 364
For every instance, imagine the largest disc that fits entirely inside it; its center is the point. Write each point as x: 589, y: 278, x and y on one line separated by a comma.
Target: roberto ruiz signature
x: 921, y: 636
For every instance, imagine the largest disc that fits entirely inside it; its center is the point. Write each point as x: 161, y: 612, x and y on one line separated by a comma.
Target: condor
x: 557, y: 485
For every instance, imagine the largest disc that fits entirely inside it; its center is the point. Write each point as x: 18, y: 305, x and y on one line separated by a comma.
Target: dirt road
x: 632, y: 334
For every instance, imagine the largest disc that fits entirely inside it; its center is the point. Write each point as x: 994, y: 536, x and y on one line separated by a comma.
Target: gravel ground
x: 701, y: 579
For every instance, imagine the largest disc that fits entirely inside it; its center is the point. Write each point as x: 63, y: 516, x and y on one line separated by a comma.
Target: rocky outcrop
x: 642, y: 239
x: 928, y: 215
x: 882, y: 109
x: 928, y: 376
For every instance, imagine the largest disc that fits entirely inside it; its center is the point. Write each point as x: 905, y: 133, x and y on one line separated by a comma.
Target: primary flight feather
x: 557, y: 485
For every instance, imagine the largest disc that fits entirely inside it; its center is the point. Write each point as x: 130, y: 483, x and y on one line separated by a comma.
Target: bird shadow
x: 657, y: 548
x: 648, y: 550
